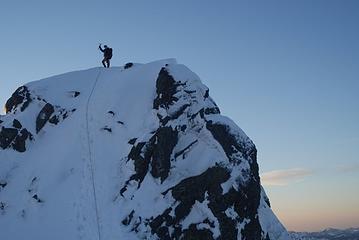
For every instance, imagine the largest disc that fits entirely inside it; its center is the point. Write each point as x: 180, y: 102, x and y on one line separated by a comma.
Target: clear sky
x: 287, y: 72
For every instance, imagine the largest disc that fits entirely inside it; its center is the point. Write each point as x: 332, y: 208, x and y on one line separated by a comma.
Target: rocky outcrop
x: 20, y: 99
x: 164, y: 141
x: 51, y: 114
x: 205, y: 187
x: 229, y: 190
x: 15, y: 138
x: 165, y: 89
x: 44, y: 116
x: 13, y: 135
x: 128, y: 65
x: 155, y: 153
x: 7, y: 135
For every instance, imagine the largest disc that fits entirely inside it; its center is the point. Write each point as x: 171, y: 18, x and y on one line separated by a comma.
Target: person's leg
x: 103, y: 62
x: 108, y: 63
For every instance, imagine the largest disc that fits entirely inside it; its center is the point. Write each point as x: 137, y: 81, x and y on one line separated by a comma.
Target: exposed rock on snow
x: 15, y: 138
x: 20, y: 97
x: 128, y: 65
x: 172, y: 168
x: 44, y: 116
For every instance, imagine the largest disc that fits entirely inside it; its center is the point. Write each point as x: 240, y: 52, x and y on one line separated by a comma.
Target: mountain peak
x: 133, y: 152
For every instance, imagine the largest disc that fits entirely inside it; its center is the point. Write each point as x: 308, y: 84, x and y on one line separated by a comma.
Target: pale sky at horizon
x: 287, y: 72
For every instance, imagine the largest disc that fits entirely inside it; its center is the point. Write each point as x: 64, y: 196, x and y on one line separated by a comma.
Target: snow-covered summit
x: 133, y: 152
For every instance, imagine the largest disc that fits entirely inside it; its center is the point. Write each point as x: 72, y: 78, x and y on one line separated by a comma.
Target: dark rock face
x: 19, y: 143
x: 193, y: 233
x: 20, y: 97
x: 128, y: 65
x: 44, y: 116
x: 156, y: 152
x: 7, y: 135
x: 186, y: 193
x: 141, y: 162
x: 16, y: 124
x: 13, y: 134
x: 3, y: 183
x: 228, y: 142
x: 165, y: 89
x: 158, y: 149
x: 76, y: 93
x: 166, y: 140
x: 51, y: 114
x: 249, y: 195
x: 15, y: 138
x: 132, y: 141
x: 184, y: 110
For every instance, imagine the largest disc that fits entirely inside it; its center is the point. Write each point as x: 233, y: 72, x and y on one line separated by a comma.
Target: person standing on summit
x: 107, y: 55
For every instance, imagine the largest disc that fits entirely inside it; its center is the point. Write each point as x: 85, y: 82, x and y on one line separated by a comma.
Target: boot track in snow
x: 90, y: 155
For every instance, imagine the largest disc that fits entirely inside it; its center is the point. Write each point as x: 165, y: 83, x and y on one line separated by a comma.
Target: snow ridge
x: 133, y: 152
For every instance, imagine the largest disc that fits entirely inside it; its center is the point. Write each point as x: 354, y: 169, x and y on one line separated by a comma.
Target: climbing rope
x: 90, y: 155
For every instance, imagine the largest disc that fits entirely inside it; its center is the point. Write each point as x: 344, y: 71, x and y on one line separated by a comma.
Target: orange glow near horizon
x: 302, y: 207
x: 307, y: 220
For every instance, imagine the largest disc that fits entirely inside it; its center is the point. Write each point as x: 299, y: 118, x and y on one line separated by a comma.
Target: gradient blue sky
x: 287, y: 72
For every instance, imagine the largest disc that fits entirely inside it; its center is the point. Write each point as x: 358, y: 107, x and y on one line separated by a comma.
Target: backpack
x: 108, y: 53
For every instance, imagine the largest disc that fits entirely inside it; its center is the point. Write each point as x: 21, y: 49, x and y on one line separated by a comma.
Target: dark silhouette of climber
x: 107, y: 55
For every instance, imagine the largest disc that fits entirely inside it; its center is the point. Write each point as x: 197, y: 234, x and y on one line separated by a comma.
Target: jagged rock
x: 19, y: 142
x: 141, y: 161
x: 3, y: 183
x: 165, y: 141
x: 76, y: 93
x: 44, y: 116
x: 128, y: 219
x: 36, y: 197
x: 165, y: 89
x: 20, y: 97
x: 213, y: 110
x: 7, y: 135
x: 193, y: 233
x: 108, y: 129
x: 229, y: 143
x: 2, y: 206
x: 193, y: 189
x: 157, y: 152
x: 128, y: 65
x: 16, y: 124
x: 15, y: 137
x: 132, y: 141
x: 54, y: 120
x: 249, y: 194
x: 266, y: 199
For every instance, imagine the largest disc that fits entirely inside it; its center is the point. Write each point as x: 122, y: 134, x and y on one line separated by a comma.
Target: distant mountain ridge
x: 328, y: 234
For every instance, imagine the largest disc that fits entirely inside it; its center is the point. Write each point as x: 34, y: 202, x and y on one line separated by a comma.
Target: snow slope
x: 135, y: 152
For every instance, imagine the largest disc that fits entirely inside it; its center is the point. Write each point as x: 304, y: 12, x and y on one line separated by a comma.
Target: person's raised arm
x: 99, y: 47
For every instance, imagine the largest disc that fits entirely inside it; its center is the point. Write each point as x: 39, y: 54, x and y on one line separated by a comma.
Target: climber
x: 107, y: 55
